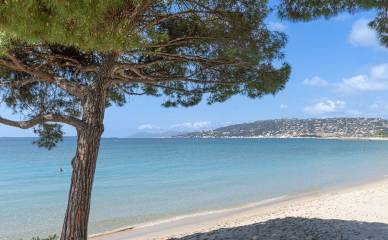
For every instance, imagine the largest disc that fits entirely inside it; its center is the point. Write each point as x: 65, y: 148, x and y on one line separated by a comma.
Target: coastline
x: 325, y: 204
x: 293, y: 137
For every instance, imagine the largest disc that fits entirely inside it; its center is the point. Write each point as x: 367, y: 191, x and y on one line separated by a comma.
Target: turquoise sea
x: 143, y: 180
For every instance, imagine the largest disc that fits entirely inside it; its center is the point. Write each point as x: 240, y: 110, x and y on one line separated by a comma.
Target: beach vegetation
x: 51, y: 237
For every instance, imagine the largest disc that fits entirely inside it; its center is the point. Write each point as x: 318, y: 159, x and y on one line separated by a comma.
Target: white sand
x: 359, y: 213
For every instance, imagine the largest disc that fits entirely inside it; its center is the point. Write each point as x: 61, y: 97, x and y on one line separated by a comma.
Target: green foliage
x: 380, y: 23
x: 4, y: 42
x: 49, y: 135
x: 306, y: 10
x: 185, y: 51
x: 86, y: 24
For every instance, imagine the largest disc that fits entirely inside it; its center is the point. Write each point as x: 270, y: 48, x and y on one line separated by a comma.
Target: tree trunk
x: 75, y: 225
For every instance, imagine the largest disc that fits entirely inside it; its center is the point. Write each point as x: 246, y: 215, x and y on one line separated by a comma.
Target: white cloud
x: 362, y: 35
x: 276, y: 26
x: 224, y: 124
x: 326, y: 106
x: 283, y: 106
x: 315, y: 81
x: 186, y: 126
x: 342, y: 17
x: 148, y: 127
x: 380, y: 72
x: 376, y: 80
x: 363, y: 83
x: 191, y: 125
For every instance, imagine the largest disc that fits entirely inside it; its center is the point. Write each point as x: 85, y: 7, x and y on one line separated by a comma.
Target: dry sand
x: 359, y: 212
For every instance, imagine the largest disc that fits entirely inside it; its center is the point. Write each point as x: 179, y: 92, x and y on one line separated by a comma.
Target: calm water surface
x: 141, y: 180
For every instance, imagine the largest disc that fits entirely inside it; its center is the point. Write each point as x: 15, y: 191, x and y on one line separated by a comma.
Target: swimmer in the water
x: 60, y: 169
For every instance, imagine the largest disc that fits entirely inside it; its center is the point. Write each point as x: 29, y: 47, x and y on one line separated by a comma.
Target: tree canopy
x: 64, y: 62
x: 306, y: 10
x: 53, y: 50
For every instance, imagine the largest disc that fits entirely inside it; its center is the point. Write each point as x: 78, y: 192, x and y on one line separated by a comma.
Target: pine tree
x: 65, y: 62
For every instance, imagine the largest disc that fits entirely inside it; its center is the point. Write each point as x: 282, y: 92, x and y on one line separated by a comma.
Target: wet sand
x: 358, y: 212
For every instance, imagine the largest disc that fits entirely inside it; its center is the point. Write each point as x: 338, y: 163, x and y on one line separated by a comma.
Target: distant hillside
x: 162, y: 134
x: 326, y: 127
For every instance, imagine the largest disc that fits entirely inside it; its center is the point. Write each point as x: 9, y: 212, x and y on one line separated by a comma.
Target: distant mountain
x: 165, y: 134
x: 325, y: 127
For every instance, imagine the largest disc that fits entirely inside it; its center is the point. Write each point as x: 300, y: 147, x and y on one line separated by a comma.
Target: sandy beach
x: 357, y: 212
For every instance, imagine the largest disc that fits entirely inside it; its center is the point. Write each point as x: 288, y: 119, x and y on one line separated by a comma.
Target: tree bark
x: 75, y: 226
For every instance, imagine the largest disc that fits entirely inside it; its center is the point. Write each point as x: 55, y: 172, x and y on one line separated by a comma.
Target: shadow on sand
x: 298, y: 229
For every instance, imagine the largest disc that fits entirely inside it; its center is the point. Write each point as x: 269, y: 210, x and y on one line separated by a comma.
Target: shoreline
x: 292, y: 137
x: 255, y: 212
x: 192, y: 215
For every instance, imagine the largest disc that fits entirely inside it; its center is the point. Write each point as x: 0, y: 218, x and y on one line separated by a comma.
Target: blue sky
x: 338, y: 69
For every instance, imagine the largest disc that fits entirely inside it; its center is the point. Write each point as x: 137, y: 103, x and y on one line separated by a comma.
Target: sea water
x: 143, y: 180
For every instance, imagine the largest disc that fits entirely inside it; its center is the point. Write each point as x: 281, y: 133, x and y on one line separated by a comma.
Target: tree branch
x: 157, y: 19
x: 122, y: 78
x: 19, y: 83
x: 75, y: 122
x: 193, y: 58
x: 181, y: 90
x: 16, y: 65
x: 179, y: 41
x: 138, y: 12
